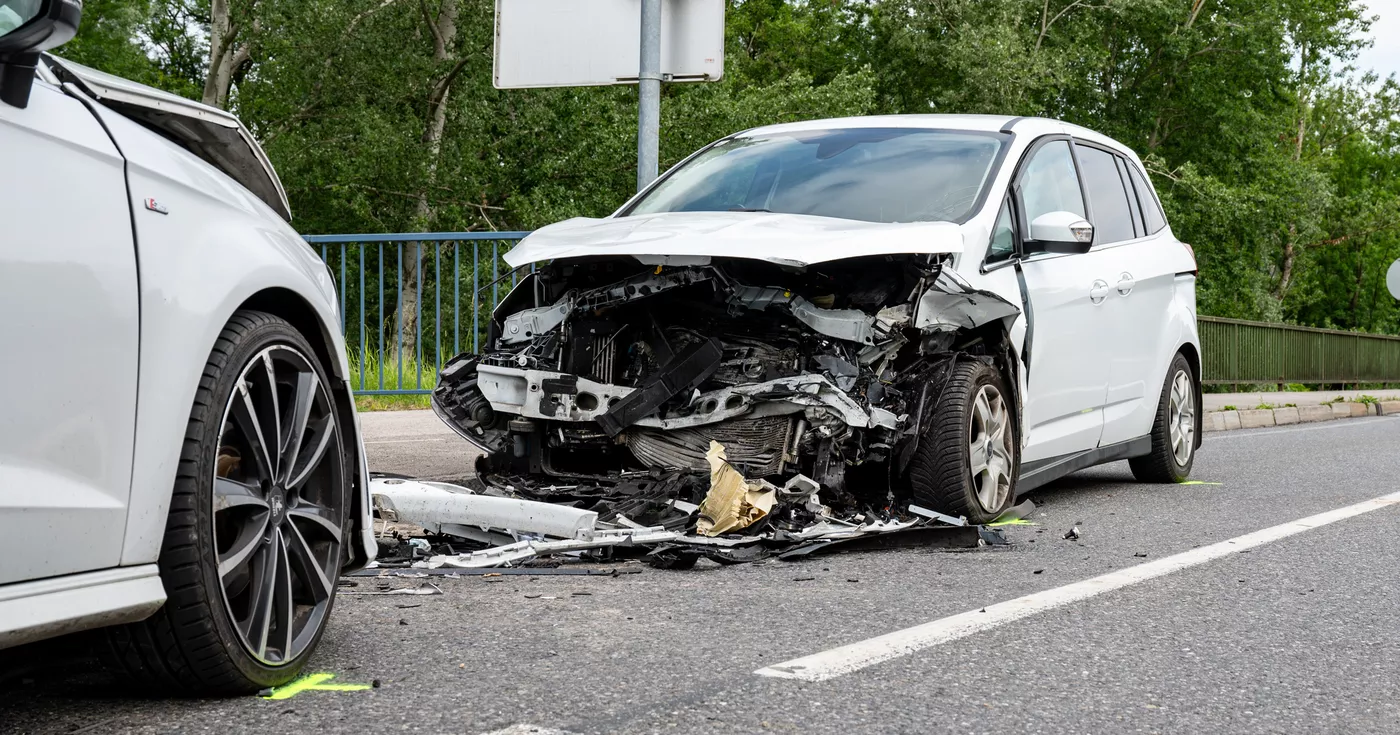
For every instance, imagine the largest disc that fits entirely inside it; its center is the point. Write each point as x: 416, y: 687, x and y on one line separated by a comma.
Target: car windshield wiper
x: 750, y: 209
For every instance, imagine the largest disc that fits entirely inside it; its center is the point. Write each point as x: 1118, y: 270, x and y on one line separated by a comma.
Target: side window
x: 1003, y: 236
x: 1151, y: 210
x: 1049, y: 183
x: 1138, y: 230
x: 1113, y: 220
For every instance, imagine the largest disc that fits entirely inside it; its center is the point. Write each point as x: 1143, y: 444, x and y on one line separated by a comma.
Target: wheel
x: 967, y: 458
x: 254, y: 541
x: 1174, y: 430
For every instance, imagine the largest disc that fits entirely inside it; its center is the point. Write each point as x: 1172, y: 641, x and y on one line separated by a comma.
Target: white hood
x: 691, y: 238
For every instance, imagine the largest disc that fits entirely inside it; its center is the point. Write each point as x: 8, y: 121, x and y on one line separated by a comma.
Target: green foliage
x: 1275, y: 160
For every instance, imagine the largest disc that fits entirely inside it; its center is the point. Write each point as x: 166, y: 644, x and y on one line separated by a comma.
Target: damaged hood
x: 691, y: 238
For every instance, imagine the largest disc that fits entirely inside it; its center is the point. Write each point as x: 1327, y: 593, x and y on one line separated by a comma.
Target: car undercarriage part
x: 600, y: 373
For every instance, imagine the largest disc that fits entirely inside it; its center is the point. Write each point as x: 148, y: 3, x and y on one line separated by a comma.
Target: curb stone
x: 1260, y: 418
x: 1309, y: 414
x: 1256, y: 418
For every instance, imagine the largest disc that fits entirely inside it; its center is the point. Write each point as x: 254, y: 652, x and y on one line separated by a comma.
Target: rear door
x: 1069, y: 345
x: 1135, y: 255
x: 68, y: 291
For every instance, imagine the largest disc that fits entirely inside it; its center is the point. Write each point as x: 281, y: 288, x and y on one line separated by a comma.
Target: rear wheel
x: 1173, y: 431
x: 256, y: 532
x: 967, y: 459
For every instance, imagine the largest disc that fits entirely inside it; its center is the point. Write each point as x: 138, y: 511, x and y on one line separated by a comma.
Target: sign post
x: 649, y: 95
x: 572, y: 43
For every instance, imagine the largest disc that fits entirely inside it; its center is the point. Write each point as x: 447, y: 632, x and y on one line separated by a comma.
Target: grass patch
x: 1229, y: 408
x: 369, y: 364
x: 1265, y: 407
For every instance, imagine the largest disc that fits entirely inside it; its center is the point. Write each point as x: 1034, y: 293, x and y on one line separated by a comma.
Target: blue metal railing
x: 372, y: 301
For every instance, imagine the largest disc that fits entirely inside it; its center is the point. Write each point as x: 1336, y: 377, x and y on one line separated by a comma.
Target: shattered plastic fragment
x: 733, y: 503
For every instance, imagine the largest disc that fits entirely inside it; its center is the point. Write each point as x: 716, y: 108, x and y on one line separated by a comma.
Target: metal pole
x: 649, y: 94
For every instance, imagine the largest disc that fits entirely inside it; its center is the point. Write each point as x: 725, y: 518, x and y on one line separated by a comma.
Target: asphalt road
x: 1298, y: 635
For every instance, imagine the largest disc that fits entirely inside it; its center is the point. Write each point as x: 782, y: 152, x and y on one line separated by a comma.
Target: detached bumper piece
x: 736, y: 521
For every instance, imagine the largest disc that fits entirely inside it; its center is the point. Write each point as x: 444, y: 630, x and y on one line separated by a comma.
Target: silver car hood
x: 216, y: 136
x: 691, y: 238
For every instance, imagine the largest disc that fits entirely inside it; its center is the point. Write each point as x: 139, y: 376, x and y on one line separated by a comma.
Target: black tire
x: 1164, y: 463
x: 193, y: 645
x: 941, y: 473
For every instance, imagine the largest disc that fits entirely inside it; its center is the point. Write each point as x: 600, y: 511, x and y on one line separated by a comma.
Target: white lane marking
x: 409, y: 441
x: 524, y: 729
x: 856, y: 656
x: 1340, y: 424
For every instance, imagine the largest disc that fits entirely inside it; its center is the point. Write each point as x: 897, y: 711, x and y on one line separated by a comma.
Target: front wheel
x: 1173, y: 431
x: 967, y: 458
x: 255, y: 536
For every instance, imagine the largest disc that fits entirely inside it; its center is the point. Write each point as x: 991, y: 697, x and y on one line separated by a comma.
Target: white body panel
x: 1069, y: 356
x: 50, y: 607
x: 680, y: 237
x: 68, y: 366
x: 113, y: 317
x: 1148, y: 328
x: 569, y: 43
x: 218, y: 246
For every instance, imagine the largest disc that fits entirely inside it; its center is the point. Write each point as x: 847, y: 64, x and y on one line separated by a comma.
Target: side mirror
x: 28, y: 27
x: 1060, y: 232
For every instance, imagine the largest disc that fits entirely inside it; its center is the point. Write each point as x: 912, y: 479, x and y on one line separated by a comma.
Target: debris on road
x: 748, y: 521
x: 427, y: 588
x: 1072, y: 534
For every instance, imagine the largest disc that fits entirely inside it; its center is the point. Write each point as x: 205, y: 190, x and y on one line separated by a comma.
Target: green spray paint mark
x: 1012, y: 522
x: 313, y: 682
x: 1197, y: 482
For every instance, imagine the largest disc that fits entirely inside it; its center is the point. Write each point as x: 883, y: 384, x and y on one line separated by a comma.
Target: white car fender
x: 207, y: 247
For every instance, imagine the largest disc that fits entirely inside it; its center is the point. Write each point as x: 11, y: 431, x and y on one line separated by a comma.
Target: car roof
x: 1028, y: 126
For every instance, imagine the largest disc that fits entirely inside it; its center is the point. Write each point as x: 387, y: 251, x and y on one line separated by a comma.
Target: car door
x: 1069, y: 344
x: 68, y: 291
x: 1142, y: 280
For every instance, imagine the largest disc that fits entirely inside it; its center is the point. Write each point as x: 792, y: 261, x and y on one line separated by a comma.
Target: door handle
x: 1125, y: 284
x: 1099, y: 291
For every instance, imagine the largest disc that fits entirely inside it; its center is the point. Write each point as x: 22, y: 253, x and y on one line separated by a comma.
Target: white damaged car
x: 949, y: 310
x: 180, y: 465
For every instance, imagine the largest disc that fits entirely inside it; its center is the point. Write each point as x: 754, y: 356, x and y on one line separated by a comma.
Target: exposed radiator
x: 753, y: 446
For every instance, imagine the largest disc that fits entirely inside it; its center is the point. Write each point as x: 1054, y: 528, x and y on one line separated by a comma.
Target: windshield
x: 869, y: 174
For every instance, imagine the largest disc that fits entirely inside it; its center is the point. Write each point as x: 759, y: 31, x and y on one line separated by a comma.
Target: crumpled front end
x: 602, y: 372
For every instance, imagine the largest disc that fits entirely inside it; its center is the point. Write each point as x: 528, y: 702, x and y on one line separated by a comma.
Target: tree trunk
x: 225, y: 54
x: 444, y: 30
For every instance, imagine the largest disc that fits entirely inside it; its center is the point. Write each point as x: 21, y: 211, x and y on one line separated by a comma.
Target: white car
x: 180, y: 462
x: 945, y: 309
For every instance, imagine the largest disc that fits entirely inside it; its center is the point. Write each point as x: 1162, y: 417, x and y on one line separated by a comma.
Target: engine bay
x: 600, y: 371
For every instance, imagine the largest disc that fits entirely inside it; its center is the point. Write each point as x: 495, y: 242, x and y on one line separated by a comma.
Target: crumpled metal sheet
x: 733, y: 502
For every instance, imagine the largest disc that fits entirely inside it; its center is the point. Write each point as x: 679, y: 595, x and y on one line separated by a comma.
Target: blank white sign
x: 1392, y: 279
x: 573, y: 43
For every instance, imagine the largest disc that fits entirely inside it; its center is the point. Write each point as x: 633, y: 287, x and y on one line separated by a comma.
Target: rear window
x: 1151, y: 210
x: 869, y: 174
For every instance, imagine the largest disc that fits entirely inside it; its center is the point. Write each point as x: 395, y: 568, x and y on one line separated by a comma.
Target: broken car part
x: 435, y: 505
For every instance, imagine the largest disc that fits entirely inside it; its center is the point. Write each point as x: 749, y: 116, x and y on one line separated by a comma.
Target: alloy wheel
x: 989, y: 451
x: 1181, y: 418
x: 279, y: 506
